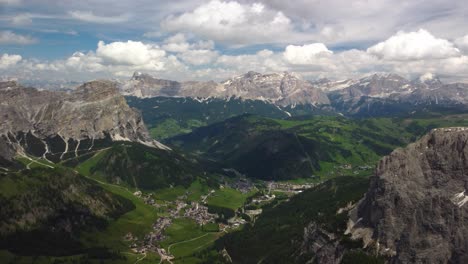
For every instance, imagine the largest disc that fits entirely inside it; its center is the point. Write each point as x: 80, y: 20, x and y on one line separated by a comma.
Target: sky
x: 66, y: 40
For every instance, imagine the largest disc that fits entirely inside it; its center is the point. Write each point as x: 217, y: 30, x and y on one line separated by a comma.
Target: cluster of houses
x: 198, y: 211
x: 242, y: 184
x: 150, y: 241
x: 263, y: 199
x: 175, y: 212
x: 356, y: 169
x: 158, y: 229
x: 291, y: 187
x: 235, y: 222
x: 200, y: 214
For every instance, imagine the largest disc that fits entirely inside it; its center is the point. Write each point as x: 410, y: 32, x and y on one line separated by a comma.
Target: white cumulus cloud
x: 130, y: 52
x: 115, y: 59
x: 306, y: 54
x: 8, y: 37
x: 176, y: 43
x: 84, y: 62
x: 7, y: 60
x: 199, y: 57
x: 462, y: 43
x: 416, y: 45
x: 234, y: 23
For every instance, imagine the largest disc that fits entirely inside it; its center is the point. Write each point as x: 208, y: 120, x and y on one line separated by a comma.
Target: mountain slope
x: 415, y: 211
x: 282, y: 233
x: 304, y: 147
x: 139, y: 167
x: 287, y: 149
x: 170, y: 116
x: 59, y: 125
x: 44, y: 210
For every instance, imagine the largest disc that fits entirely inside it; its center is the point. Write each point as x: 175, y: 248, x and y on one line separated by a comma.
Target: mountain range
x: 282, y: 89
x: 82, y: 177
x: 348, y: 97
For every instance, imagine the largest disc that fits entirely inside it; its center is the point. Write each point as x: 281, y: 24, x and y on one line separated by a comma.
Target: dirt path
x: 140, y: 259
x: 34, y: 161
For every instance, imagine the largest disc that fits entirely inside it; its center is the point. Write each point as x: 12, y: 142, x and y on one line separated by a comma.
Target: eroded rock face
x: 324, y: 245
x: 279, y: 88
x: 417, y: 204
x: 144, y: 85
x: 46, y: 122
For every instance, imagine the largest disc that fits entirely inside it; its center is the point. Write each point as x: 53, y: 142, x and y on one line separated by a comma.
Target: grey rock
x: 324, y: 245
x: 280, y: 88
x: 416, y: 204
x: 93, y: 111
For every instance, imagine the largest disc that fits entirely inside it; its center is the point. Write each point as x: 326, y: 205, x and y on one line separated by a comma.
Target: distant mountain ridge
x: 393, y: 86
x: 391, y: 94
x: 279, y: 88
x: 365, y: 96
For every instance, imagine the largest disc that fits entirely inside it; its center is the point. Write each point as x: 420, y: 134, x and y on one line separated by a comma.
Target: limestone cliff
x: 415, y: 210
x: 47, y: 123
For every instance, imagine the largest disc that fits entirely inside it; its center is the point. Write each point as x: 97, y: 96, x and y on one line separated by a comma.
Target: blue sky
x: 194, y: 39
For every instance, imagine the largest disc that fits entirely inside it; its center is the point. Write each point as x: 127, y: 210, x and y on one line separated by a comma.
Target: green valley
x: 167, y: 117
x: 315, y: 147
x: 243, y: 189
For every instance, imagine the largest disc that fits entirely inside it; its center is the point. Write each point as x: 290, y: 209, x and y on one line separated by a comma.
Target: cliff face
x: 144, y: 86
x: 45, y: 123
x: 416, y: 208
x: 282, y: 89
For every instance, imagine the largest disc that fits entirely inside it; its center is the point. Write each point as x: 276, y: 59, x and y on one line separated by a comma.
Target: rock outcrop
x: 46, y: 123
x: 416, y: 208
x: 282, y: 89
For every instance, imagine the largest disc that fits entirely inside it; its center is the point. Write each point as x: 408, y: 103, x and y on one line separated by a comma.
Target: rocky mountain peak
x: 416, y: 208
x: 96, y: 90
x: 251, y: 74
x: 328, y: 85
x: 37, y: 120
x: 8, y: 84
x: 143, y: 76
x: 280, y: 88
x: 136, y: 74
x: 377, y: 79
